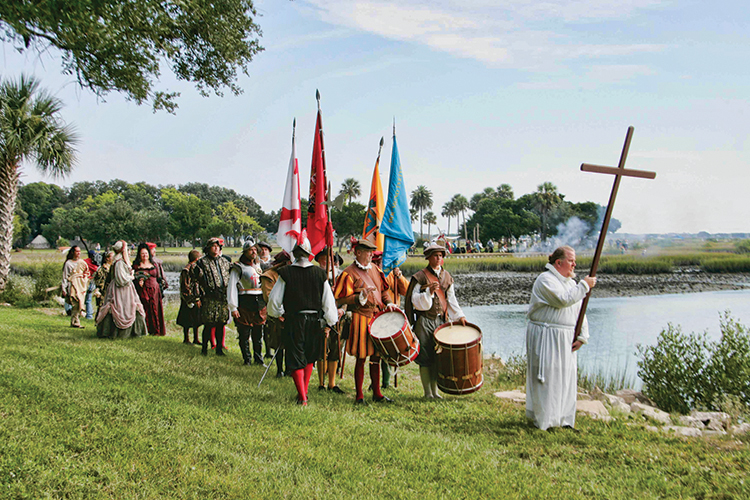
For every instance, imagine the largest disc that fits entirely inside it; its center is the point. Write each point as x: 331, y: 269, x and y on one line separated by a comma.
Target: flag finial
x: 294, y: 128
x: 394, y: 126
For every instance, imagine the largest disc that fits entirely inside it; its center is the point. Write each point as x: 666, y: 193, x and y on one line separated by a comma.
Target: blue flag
x: 396, y: 225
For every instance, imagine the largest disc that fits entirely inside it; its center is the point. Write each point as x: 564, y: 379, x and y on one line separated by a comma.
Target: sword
x: 270, y: 363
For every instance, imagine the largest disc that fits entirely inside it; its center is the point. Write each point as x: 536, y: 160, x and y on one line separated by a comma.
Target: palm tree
x: 460, y: 204
x: 546, y: 198
x: 414, y: 214
x: 421, y: 198
x: 504, y: 191
x: 30, y: 130
x: 351, y: 189
x: 448, y: 212
x: 430, y: 218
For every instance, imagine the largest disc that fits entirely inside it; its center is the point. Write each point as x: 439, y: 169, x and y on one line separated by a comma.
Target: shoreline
x: 489, y: 288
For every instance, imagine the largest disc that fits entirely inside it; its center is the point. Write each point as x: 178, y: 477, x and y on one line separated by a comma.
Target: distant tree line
x: 502, y: 217
x: 102, y: 212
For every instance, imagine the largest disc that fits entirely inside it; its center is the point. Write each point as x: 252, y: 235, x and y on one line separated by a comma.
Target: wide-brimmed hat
x: 280, y: 257
x: 264, y: 244
x: 365, y: 243
x: 432, y: 248
x: 151, y: 246
x: 322, y: 253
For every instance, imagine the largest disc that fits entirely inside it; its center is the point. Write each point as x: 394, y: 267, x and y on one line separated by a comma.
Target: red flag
x: 318, y: 226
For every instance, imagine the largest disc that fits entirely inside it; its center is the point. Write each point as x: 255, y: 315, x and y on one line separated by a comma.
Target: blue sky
x: 483, y: 93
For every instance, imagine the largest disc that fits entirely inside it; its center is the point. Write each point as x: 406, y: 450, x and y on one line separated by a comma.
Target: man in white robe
x: 551, y: 377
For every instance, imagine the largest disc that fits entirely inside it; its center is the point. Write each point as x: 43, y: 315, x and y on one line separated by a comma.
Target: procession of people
x: 305, y: 314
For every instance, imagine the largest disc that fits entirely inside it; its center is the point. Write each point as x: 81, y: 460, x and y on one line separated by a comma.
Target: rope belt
x: 544, y: 344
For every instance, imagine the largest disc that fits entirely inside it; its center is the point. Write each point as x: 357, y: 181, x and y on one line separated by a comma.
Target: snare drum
x: 393, y: 337
x: 459, y: 358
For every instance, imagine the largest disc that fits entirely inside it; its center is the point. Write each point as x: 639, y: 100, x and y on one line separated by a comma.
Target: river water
x: 616, y: 325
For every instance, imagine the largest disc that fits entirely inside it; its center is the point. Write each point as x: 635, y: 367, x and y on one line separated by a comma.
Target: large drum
x: 459, y: 358
x: 393, y: 337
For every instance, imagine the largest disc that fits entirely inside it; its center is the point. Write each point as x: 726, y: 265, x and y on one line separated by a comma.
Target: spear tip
x: 381, y: 142
x: 317, y: 94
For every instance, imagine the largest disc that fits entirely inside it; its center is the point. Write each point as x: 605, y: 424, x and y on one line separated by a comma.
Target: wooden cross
x: 618, y: 172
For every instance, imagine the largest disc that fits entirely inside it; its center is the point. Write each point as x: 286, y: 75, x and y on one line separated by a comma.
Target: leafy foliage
x: 122, y: 45
x: 683, y: 372
x: 348, y: 221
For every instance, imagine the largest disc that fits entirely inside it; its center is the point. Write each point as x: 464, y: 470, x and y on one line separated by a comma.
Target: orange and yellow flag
x: 375, y: 208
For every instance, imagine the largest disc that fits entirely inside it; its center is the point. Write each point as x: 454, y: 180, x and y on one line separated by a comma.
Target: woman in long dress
x: 122, y: 313
x: 149, y: 290
x: 75, y: 280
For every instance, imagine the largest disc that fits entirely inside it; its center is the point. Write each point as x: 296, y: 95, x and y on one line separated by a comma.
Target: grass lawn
x: 151, y: 418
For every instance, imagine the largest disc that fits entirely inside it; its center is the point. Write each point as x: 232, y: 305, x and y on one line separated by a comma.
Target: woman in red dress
x: 149, y: 291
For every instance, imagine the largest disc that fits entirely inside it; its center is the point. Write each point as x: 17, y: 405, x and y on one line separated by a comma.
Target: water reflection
x: 617, y: 325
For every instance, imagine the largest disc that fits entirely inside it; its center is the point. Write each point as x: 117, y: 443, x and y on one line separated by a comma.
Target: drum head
x: 386, y: 324
x: 457, y: 334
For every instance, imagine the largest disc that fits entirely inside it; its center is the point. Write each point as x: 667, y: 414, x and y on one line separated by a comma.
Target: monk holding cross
x: 551, y: 339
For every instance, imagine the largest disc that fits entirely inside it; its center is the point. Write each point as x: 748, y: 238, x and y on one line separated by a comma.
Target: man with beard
x: 212, y: 273
x: 246, y: 304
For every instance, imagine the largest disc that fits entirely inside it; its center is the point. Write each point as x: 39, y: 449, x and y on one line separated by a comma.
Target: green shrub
x: 18, y: 291
x: 683, y: 372
x: 729, y: 367
x: 674, y: 370
x: 46, y: 276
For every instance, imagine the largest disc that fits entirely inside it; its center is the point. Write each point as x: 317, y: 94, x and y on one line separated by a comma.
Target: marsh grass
x: 151, y: 418
x: 733, y: 264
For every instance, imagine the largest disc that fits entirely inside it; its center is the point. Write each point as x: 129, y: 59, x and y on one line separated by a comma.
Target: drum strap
x: 440, y: 293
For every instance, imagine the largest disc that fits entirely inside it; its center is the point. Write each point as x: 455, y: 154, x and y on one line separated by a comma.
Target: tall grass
x: 512, y: 374
x: 734, y: 264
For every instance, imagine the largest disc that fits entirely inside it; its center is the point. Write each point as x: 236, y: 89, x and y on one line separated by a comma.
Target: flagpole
x: 294, y: 129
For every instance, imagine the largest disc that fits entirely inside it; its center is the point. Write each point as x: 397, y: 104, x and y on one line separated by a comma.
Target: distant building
x: 40, y: 242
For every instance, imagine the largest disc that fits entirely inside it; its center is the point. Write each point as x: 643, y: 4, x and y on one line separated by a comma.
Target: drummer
x: 362, y: 287
x: 397, y: 286
x: 430, y: 297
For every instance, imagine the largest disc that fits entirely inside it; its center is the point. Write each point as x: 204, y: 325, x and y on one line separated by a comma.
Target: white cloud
x: 523, y: 34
